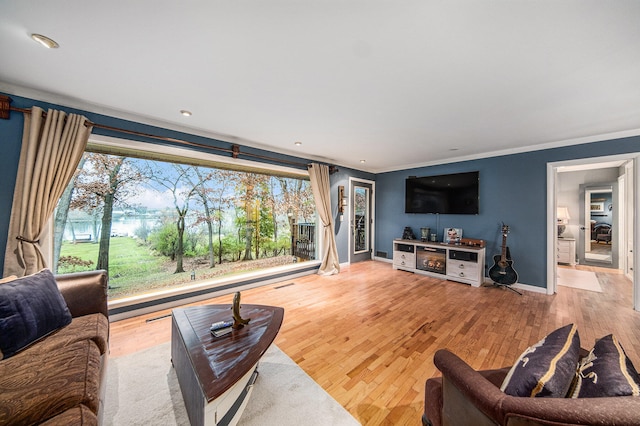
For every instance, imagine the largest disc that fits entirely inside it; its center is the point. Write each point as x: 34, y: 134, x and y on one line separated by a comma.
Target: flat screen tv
x: 456, y: 193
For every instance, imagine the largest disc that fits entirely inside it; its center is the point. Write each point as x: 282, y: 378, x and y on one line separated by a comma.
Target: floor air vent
x: 158, y: 318
x: 285, y: 285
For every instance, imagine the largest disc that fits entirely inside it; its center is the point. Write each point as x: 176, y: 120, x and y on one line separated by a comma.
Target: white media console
x: 453, y: 262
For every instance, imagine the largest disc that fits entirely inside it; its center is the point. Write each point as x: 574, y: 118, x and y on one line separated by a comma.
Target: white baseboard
x: 520, y: 286
x: 167, y: 299
x: 532, y: 288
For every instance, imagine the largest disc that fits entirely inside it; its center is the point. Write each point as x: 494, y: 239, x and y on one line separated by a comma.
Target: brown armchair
x: 464, y: 396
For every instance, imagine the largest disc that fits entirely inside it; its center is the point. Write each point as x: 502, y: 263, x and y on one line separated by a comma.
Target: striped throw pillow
x: 606, y: 371
x: 547, y: 368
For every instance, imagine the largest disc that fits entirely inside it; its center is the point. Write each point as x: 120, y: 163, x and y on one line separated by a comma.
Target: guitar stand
x: 508, y: 287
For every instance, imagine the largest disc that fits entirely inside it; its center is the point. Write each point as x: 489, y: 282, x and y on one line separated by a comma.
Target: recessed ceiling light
x: 453, y: 149
x: 45, y: 41
x: 297, y: 143
x: 185, y: 113
x: 363, y: 161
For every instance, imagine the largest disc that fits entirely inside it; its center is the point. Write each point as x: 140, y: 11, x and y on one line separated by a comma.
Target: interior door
x: 361, y: 221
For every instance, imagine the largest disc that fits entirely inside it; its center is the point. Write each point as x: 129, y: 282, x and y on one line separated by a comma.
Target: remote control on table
x: 221, y: 324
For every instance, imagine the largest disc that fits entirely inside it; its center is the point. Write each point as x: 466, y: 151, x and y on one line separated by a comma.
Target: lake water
x: 120, y: 227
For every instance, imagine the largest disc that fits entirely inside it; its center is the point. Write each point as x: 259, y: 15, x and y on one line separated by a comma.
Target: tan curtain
x: 51, y: 150
x: 319, y: 176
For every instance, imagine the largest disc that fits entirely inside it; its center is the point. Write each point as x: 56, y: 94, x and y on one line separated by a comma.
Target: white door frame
x: 622, y: 225
x: 373, y: 215
x: 552, y: 170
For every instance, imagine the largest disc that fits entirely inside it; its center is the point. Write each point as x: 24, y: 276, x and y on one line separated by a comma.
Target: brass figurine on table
x: 238, y: 321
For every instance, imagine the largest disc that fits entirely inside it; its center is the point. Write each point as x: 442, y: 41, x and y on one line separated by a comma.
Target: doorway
x: 626, y: 222
x: 361, y: 220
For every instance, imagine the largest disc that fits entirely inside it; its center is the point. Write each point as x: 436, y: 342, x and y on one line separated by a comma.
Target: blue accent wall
x: 11, y: 141
x: 513, y: 190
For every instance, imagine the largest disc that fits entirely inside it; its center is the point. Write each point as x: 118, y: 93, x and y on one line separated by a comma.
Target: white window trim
x: 109, y: 141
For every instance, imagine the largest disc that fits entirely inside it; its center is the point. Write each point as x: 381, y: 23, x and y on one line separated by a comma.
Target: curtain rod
x: 234, y: 150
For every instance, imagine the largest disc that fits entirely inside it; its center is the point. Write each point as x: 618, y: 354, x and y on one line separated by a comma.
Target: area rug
x: 142, y: 389
x: 583, y: 280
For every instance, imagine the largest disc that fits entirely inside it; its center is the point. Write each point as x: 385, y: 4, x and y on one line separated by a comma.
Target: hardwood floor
x: 368, y: 334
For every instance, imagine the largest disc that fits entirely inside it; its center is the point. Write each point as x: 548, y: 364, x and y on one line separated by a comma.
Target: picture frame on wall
x: 597, y: 207
x: 452, y: 235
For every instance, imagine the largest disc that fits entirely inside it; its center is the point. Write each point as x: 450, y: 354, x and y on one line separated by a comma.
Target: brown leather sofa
x: 464, y: 396
x: 60, y: 379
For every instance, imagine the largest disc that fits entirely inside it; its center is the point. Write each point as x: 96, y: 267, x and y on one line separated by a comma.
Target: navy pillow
x: 30, y: 308
x: 547, y: 368
x: 607, y: 371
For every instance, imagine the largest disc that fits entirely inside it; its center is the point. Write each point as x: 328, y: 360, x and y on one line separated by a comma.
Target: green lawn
x: 135, y: 269
x: 132, y: 266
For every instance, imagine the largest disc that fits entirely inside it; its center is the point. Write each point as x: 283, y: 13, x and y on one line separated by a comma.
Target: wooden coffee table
x: 216, y: 374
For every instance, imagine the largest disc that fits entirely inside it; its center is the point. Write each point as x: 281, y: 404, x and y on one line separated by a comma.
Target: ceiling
x: 397, y: 84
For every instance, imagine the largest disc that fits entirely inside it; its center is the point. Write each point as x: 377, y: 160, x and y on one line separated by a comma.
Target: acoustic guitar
x: 502, y: 272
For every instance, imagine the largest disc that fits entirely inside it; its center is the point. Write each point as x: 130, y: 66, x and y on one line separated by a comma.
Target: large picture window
x: 156, y: 222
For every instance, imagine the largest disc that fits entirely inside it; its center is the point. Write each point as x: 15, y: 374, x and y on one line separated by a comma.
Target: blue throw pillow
x: 30, y: 308
x: 547, y: 368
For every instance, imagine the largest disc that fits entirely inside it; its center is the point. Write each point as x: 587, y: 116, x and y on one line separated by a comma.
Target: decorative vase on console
x: 407, y: 234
